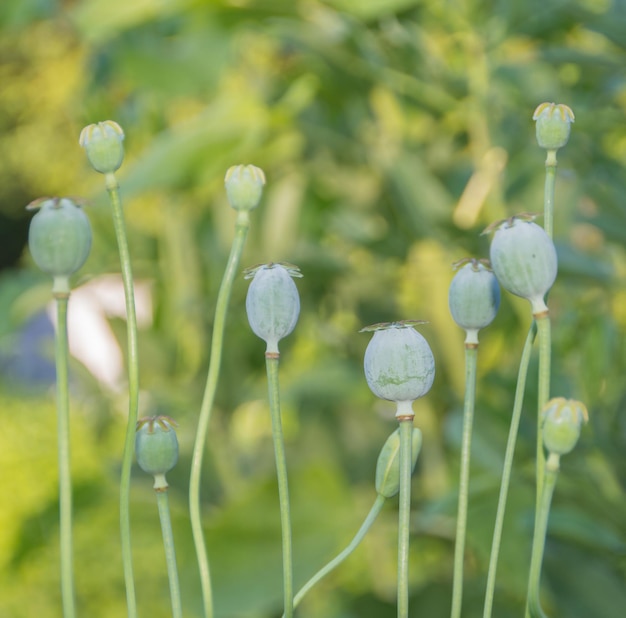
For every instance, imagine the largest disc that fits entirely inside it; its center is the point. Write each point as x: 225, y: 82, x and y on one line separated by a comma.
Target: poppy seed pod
x: 553, y: 125
x: 524, y: 259
x: 399, y: 364
x: 59, y: 236
x: 388, y: 464
x: 103, y: 144
x: 272, y: 302
x: 244, y: 186
x: 562, y: 421
x: 474, y: 297
x: 156, y: 447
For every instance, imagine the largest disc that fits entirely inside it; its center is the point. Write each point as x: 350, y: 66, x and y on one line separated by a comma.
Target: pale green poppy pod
x: 59, y: 237
x: 399, y: 365
x: 103, y: 144
x: 388, y: 464
x: 524, y: 260
x: 553, y: 125
x: 156, y: 447
x: 244, y: 186
x: 474, y: 297
x: 562, y: 422
x: 272, y: 302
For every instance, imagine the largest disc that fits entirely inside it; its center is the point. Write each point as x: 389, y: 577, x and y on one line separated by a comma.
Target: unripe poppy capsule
x: 562, y: 421
x: 244, y: 186
x: 553, y: 125
x: 103, y: 144
x: 156, y: 447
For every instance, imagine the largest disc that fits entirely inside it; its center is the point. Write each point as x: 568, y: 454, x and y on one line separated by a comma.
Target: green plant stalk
x: 271, y: 363
x: 170, y: 553
x: 543, y: 328
x: 507, y: 468
x: 63, y: 439
x: 404, y: 515
x: 241, y: 230
x: 548, y: 192
x: 471, y: 354
x: 339, y: 558
x: 533, y: 604
x: 133, y: 389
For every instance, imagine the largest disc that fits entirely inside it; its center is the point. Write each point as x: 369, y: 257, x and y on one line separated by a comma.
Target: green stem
x: 543, y: 327
x: 507, y: 468
x: 133, y: 389
x: 548, y: 193
x: 63, y: 437
x: 533, y: 604
x: 406, y: 435
x: 170, y: 553
x: 339, y: 558
x: 241, y: 230
x: 271, y: 362
x: 471, y: 353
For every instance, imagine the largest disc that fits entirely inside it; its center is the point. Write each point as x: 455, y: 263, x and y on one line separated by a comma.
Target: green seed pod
x: 388, y: 465
x: 272, y: 303
x: 562, y: 421
x: 524, y: 259
x: 244, y: 186
x: 103, y: 144
x: 59, y: 236
x: 156, y: 447
x: 399, y: 364
x: 553, y: 125
x: 474, y: 297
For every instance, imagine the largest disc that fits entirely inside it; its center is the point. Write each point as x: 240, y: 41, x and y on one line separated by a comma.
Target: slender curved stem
x: 241, y: 230
x: 404, y: 516
x: 533, y: 604
x: 471, y: 354
x: 133, y: 389
x: 170, y: 553
x: 507, y: 468
x: 339, y: 558
x: 271, y: 363
x: 548, y: 192
x: 63, y: 439
x: 543, y: 326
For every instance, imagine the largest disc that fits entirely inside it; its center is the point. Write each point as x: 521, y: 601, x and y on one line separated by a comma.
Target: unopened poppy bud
x: 524, y: 259
x: 562, y: 421
x: 553, y: 125
x: 103, y: 143
x: 156, y: 447
x: 474, y: 297
x: 388, y: 464
x: 59, y: 237
x: 272, y: 302
x: 399, y: 364
x: 244, y: 186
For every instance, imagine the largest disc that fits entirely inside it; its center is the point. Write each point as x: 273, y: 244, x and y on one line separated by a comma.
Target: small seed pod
x: 59, y: 236
x: 399, y: 364
x: 244, y: 186
x: 272, y: 303
x: 553, y: 125
x: 524, y: 259
x: 156, y: 447
x: 562, y: 421
x: 474, y: 297
x: 388, y: 464
x: 103, y: 143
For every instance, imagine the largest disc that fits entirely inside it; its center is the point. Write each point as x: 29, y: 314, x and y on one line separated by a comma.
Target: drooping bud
x: 474, y: 296
x: 562, y: 421
x: 103, y: 143
x: 272, y: 302
x: 524, y: 259
x: 399, y: 364
x: 244, y: 186
x: 553, y: 125
x: 156, y: 447
x: 388, y: 464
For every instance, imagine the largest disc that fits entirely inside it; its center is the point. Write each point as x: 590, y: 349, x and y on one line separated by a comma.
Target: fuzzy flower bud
x: 553, y: 125
x: 474, y: 297
x: 156, y: 447
x: 399, y: 364
x: 272, y: 302
x: 388, y: 465
x: 103, y: 144
x: 524, y: 259
x: 244, y: 186
x: 562, y: 421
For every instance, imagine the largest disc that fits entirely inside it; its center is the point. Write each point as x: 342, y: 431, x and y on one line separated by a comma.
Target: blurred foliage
x: 391, y: 133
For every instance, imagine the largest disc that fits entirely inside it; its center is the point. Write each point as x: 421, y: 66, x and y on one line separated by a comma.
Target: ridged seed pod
x: 156, y: 447
x: 244, y: 186
x: 562, y: 421
x: 103, y: 144
x: 388, y: 464
x: 553, y: 124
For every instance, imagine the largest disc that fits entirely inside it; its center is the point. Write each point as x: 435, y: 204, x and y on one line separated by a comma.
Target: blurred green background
x: 391, y: 133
